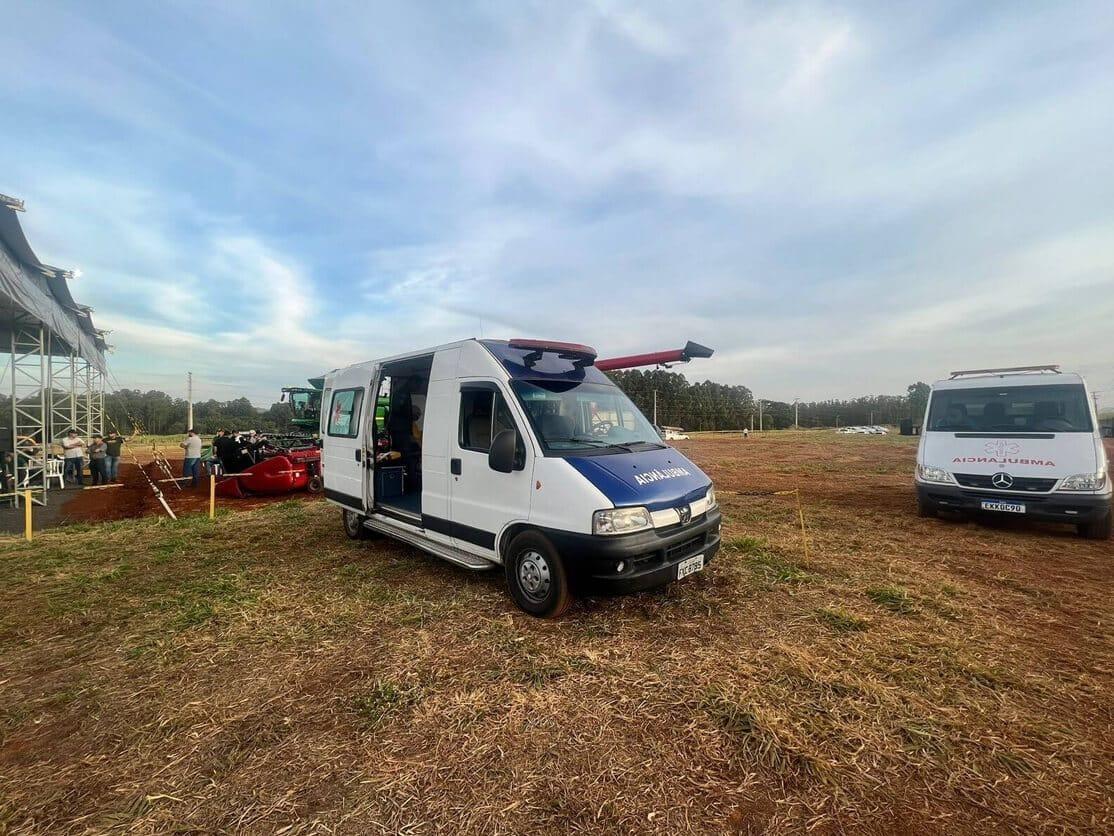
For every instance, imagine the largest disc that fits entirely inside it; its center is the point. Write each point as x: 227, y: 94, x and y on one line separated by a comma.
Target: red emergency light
x: 655, y: 358
x: 580, y: 355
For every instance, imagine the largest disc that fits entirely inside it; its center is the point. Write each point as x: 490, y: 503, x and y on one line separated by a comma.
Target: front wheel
x: 536, y: 576
x: 926, y: 508
x: 1097, y: 530
x: 354, y: 525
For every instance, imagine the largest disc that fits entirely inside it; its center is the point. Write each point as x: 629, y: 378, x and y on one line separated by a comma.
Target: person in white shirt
x: 191, y: 466
x: 73, y: 452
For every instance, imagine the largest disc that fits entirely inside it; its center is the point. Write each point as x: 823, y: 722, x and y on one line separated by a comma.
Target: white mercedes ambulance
x: 1022, y: 441
x: 520, y: 454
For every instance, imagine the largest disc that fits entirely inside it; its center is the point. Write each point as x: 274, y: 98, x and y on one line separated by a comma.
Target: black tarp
x: 28, y: 286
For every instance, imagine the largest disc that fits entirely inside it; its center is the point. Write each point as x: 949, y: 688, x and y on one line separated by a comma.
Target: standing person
x: 73, y: 453
x: 98, y: 454
x: 221, y: 443
x: 191, y: 466
x: 7, y: 471
x: 115, y: 447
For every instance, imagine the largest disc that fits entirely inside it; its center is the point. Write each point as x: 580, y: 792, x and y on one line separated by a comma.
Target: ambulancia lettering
x: 656, y: 475
x: 996, y: 460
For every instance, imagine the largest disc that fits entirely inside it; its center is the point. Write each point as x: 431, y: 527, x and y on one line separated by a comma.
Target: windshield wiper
x: 574, y: 440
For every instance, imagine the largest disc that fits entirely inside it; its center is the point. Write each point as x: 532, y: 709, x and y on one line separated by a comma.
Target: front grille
x: 681, y: 549
x: 1027, y: 484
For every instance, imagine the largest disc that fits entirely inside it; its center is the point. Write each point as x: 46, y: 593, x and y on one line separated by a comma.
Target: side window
x: 475, y: 419
x: 324, y: 412
x: 344, y: 414
x: 503, y: 418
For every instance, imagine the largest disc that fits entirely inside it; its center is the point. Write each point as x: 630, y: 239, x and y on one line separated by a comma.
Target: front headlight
x: 620, y: 520
x: 711, y: 497
x: 1084, y: 482
x: 933, y: 474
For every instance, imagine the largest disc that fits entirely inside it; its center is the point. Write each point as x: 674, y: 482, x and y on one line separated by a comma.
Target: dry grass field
x: 263, y: 674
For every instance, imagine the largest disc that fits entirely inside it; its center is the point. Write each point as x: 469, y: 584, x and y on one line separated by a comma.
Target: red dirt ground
x: 135, y: 498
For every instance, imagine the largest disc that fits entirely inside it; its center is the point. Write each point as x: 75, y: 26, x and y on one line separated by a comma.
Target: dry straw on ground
x: 263, y: 674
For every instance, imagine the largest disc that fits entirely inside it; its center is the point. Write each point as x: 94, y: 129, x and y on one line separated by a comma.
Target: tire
x: 926, y: 508
x: 354, y: 525
x: 1097, y: 530
x: 536, y: 576
x: 314, y: 485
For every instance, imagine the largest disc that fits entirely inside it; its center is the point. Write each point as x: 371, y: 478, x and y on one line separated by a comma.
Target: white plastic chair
x: 54, y: 471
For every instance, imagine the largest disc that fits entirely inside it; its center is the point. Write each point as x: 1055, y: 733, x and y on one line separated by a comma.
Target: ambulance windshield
x: 571, y: 416
x: 1058, y: 408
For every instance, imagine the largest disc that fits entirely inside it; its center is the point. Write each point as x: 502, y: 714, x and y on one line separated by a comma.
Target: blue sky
x: 839, y: 198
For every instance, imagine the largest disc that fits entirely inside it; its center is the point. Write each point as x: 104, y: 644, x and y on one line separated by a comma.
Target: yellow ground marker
x: 28, y: 530
x: 212, y: 496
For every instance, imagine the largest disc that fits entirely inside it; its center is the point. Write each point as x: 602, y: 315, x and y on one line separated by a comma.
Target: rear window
x: 1006, y: 409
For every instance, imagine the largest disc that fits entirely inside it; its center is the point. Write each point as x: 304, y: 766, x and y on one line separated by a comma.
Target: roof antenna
x: 481, y: 328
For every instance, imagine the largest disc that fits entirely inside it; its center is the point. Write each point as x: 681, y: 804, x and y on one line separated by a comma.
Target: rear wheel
x: 354, y: 525
x: 536, y: 576
x: 1097, y: 530
x: 314, y: 485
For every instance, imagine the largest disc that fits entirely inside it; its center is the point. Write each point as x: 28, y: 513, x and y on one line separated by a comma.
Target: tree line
x: 717, y: 406
x: 157, y: 413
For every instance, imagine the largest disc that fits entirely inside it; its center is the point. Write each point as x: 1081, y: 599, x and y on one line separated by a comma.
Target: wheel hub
x: 533, y: 575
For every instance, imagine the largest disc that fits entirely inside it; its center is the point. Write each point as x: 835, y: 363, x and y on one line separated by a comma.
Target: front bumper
x: 1053, y: 507
x: 650, y: 557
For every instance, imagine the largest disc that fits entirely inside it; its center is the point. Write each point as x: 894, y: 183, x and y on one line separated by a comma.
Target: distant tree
x: 918, y: 400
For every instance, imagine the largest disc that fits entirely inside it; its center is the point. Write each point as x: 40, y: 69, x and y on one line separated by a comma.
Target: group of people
x: 104, y: 458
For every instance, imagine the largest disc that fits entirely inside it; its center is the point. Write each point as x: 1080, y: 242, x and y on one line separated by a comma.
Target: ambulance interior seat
x: 994, y: 416
x: 556, y: 426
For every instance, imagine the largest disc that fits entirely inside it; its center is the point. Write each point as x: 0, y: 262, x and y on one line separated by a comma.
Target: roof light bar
x: 580, y: 355
x: 550, y: 345
x: 13, y: 203
x: 1054, y: 369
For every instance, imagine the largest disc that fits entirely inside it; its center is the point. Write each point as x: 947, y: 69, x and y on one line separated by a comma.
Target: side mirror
x: 501, y: 457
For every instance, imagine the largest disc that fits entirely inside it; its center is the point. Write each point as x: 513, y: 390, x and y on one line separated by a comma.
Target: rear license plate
x: 690, y: 565
x: 1008, y: 507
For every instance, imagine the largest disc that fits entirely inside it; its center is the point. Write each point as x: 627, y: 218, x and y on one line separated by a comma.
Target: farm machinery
x: 269, y: 465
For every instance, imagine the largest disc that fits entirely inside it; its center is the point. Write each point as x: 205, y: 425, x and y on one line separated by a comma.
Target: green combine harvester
x: 305, y: 406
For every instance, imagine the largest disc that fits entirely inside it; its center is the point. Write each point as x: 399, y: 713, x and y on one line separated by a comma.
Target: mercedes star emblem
x: 1001, y: 480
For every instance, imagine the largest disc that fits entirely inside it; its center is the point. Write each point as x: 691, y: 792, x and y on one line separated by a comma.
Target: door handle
x: 454, y: 466
x: 358, y: 454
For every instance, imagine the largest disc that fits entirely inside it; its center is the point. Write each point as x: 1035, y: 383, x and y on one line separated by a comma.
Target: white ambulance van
x: 1021, y: 441
x: 520, y: 454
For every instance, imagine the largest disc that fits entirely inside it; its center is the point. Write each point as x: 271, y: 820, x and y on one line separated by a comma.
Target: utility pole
x: 759, y: 415
x: 796, y: 414
x: 655, y: 407
x: 189, y: 400
x: 872, y: 417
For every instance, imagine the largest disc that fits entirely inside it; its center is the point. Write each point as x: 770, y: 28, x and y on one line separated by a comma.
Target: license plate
x: 1008, y: 507
x: 689, y: 566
